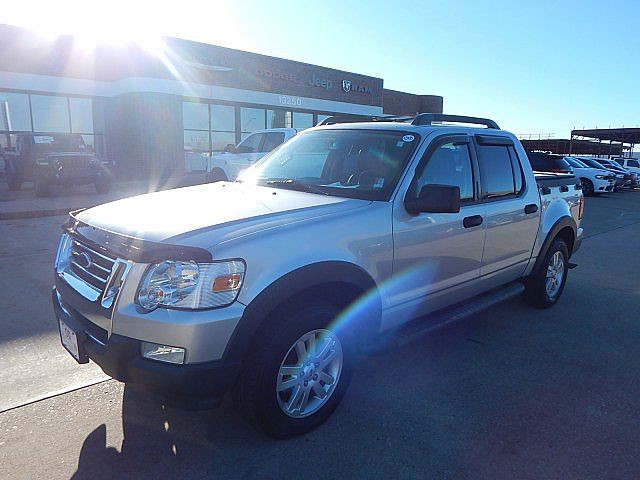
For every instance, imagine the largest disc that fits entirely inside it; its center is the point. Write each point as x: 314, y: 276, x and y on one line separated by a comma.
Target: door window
x: 633, y: 163
x: 251, y: 144
x: 450, y: 164
x: 496, y: 171
x: 272, y: 140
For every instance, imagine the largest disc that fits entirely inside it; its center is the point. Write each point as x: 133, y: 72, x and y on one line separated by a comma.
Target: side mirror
x: 230, y: 148
x: 435, y: 199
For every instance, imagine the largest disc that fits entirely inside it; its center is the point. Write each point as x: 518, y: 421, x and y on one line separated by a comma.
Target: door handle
x: 531, y: 208
x: 472, y: 221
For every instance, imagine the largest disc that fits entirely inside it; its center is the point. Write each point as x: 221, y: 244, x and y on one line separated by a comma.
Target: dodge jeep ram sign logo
x: 348, y: 87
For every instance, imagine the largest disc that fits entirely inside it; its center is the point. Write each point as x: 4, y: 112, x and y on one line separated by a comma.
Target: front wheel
x: 587, y: 187
x: 298, y: 373
x: 42, y: 186
x: 103, y: 185
x: 216, y: 175
x: 545, y: 286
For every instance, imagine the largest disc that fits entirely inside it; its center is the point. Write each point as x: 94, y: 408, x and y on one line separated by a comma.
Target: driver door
x: 437, y: 256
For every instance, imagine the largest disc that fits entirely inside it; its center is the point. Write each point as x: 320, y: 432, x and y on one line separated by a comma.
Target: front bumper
x: 197, y: 385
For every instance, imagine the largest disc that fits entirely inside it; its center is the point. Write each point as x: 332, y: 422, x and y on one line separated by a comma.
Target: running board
x: 446, y: 316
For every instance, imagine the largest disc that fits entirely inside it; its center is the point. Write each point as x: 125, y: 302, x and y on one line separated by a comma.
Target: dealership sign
x: 349, y: 86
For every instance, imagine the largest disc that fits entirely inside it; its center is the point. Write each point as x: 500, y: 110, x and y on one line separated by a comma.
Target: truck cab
x: 235, y: 159
x: 347, y: 238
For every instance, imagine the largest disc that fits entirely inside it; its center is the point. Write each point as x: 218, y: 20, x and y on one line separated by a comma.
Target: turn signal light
x: 226, y: 283
x: 580, y: 208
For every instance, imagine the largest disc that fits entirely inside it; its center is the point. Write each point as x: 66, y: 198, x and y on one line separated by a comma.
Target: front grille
x: 89, y: 265
x: 75, y: 161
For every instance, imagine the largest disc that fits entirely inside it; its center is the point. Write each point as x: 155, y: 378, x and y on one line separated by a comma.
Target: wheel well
x: 567, y: 235
x: 341, y: 294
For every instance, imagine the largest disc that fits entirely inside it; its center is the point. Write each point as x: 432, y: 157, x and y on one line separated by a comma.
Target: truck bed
x: 550, y: 179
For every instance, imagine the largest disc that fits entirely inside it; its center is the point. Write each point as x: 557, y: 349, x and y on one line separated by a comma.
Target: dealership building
x: 146, y: 109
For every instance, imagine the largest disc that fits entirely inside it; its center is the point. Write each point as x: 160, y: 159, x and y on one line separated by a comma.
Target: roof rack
x: 417, y: 119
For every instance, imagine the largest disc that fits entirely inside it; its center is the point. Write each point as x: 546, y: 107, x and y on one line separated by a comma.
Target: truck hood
x: 172, y: 216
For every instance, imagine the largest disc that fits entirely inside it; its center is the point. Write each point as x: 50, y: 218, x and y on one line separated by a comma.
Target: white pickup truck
x: 226, y: 166
x: 350, y: 237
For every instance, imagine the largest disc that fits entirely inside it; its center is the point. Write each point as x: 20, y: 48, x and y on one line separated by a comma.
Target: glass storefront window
x: 278, y: 119
x: 322, y: 117
x: 195, y: 116
x: 81, y: 115
x: 223, y: 118
x: 14, y: 111
x: 302, y: 120
x: 252, y: 119
x: 219, y: 140
x: 195, y: 140
x: 50, y: 114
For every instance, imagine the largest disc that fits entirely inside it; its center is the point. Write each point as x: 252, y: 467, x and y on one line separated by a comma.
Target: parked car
x: 54, y: 159
x: 630, y: 178
x: 347, y: 238
x: 235, y: 159
x: 621, y: 177
x: 630, y: 164
x: 546, y: 162
x: 594, y: 180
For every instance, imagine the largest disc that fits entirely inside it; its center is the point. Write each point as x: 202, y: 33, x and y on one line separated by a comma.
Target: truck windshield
x: 363, y: 164
x: 58, y: 143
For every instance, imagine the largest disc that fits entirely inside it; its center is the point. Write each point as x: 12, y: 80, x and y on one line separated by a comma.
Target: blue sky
x: 534, y: 67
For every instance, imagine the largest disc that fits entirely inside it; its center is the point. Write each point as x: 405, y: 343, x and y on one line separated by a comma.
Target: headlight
x: 190, y: 285
x: 600, y: 177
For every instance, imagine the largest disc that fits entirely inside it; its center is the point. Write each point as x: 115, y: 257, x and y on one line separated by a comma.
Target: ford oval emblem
x: 84, y: 260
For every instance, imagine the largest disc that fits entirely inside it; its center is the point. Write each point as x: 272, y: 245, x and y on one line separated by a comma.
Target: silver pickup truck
x: 344, y: 239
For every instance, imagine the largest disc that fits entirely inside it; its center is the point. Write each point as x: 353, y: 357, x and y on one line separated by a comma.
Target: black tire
x: 13, y: 179
x: 42, y: 186
x: 216, y: 175
x: 536, y: 292
x: 587, y: 187
x: 103, y: 186
x: 255, y: 395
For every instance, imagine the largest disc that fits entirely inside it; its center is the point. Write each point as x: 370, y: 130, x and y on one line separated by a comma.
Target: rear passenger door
x: 512, y: 213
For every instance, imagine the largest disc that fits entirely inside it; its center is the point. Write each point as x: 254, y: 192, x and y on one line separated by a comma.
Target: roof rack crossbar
x: 429, y: 118
x: 418, y: 119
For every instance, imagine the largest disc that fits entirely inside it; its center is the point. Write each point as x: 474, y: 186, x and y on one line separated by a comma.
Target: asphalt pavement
x: 513, y: 393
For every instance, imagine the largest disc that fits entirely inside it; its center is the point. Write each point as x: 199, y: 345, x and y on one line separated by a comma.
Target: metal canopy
x: 565, y: 146
x: 612, y: 141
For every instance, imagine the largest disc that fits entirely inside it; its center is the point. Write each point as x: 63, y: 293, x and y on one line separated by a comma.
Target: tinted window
x: 81, y: 115
x: 450, y: 164
x: 302, y: 120
x: 223, y: 118
x: 518, y: 174
x: 250, y: 144
x: 496, y: 170
x: 272, y: 140
x: 633, y: 163
x: 14, y: 111
x: 195, y: 115
x: 252, y: 119
x: 50, y: 114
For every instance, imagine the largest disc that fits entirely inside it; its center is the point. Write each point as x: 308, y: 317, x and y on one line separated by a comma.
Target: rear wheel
x: 587, y: 187
x: 298, y: 372
x: 546, y: 285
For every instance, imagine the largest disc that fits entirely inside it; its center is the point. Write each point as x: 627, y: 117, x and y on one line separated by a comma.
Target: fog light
x: 162, y: 353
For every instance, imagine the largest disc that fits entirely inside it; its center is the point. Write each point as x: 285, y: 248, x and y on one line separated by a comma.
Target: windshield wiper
x: 294, y: 184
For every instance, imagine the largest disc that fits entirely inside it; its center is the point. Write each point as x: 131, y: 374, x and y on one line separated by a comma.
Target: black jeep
x: 54, y: 159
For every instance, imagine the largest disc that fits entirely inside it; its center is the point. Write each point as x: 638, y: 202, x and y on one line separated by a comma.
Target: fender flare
x: 562, y: 223
x: 294, y: 283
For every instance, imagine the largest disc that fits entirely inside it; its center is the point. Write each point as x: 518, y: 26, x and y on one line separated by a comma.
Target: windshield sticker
x: 379, y: 182
x: 43, y: 139
x: 408, y: 138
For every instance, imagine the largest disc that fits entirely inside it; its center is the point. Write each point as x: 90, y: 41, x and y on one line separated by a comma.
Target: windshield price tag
x: 43, y: 139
